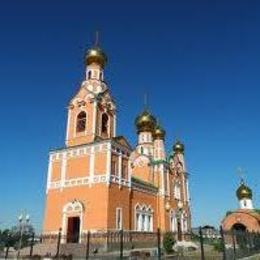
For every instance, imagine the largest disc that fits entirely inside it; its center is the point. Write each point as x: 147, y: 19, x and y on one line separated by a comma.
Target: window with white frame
x: 119, y: 218
x: 173, y: 221
x: 177, y: 191
x: 143, y: 218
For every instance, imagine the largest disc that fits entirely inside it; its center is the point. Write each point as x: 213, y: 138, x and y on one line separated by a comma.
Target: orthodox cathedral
x: 99, y: 182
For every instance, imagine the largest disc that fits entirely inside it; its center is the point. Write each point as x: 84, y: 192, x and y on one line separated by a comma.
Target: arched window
x: 173, y: 221
x: 177, y: 191
x: 104, y: 124
x: 89, y: 74
x: 81, y: 122
x: 101, y: 76
x: 143, y: 218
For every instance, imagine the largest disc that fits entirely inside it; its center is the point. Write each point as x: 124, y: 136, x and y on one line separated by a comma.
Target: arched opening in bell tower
x: 81, y: 122
x: 104, y: 125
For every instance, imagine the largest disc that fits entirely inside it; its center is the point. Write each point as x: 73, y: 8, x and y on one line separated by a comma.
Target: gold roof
x: 96, y: 55
x: 178, y: 147
x: 145, y: 122
x: 159, y: 132
x: 244, y: 192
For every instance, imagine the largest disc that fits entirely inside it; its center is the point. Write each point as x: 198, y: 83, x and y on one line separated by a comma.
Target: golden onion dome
x: 178, y: 147
x: 244, y: 192
x: 159, y: 132
x: 96, y: 55
x: 145, y: 122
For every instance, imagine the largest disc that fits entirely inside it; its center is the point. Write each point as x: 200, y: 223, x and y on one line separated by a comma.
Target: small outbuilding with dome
x: 246, y: 218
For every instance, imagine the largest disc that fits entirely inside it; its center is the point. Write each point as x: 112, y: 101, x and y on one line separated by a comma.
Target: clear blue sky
x: 199, y: 62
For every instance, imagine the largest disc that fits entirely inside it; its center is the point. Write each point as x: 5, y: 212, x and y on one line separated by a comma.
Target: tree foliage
x: 168, y: 242
x: 11, y: 237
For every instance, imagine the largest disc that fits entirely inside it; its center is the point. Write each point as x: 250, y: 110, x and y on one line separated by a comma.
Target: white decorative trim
x: 74, y: 208
x: 79, y: 182
x: 120, y: 181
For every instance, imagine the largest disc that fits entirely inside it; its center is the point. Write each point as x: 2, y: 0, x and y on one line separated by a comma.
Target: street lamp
x: 167, y: 206
x: 179, y: 217
x: 23, y: 222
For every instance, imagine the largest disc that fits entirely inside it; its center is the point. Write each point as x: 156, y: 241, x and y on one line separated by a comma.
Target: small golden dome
x: 178, y: 147
x: 145, y: 122
x: 244, y: 192
x: 96, y: 55
x: 159, y: 132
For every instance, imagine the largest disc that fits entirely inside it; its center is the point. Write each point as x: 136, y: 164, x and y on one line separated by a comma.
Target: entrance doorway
x: 73, y: 230
x: 239, y: 233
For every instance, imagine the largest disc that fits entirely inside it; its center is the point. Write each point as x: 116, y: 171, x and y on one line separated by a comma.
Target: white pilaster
x: 68, y: 126
x: 108, y: 166
x: 94, y: 123
x: 120, y: 168
x: 49, y: 174
x: 162, y: 178
x: 114, y: 132
x: 92, y: 164
x: 63, y: 169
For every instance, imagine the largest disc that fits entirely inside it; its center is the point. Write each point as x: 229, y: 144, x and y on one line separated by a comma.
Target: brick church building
x: 99, y: 182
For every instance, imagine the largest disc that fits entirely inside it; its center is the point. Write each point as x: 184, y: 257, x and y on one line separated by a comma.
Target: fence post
x: 6, y: 252
x: 201, y: 244
x: 121, y: 243
x: 87, y: 245
x: 159, y: 243
x: 31, y: 244
x: 223, y: 243
x: 58, y: 244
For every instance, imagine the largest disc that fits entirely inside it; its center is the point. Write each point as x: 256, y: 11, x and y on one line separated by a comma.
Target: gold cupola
x: 178, y: 147
x: 159, y: 132
x: 145, y: 122
x: 96, y: 55
x: 244, y: 192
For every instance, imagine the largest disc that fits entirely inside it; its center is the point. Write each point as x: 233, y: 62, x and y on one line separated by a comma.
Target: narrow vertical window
x: 81, y: 122
x: 119, y: 218
x: 104, y: 125
x: 89, y: 74
x: 114, y: 167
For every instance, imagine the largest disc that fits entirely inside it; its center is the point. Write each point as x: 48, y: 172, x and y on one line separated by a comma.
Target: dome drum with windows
x: 159, y: 132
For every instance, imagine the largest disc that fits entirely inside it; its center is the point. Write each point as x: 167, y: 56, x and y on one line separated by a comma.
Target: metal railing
x: 121, y: 244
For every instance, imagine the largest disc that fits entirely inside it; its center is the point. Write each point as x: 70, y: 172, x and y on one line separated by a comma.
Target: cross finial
x: 145, y: 101
x: 97, y: 38
x: 241, y: 174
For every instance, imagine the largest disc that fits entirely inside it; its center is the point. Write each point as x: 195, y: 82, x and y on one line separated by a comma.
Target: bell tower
x: 92, y: 111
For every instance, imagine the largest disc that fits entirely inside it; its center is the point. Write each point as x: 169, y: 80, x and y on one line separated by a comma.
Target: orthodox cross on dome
x: 145, y: 101
x: 241, y: 174
x: 96, y: 38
